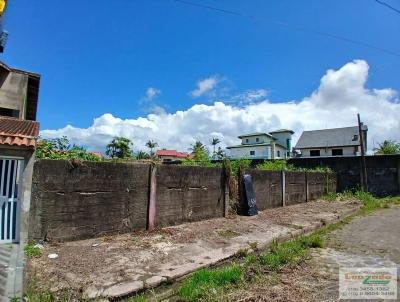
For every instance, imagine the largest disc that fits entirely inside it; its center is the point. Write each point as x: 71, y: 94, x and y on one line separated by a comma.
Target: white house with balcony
x: 260, y: 145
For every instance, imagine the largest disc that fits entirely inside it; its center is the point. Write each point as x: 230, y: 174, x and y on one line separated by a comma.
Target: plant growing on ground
x: 119, y: 147
x: 206, y: 282
x: 32, y: 250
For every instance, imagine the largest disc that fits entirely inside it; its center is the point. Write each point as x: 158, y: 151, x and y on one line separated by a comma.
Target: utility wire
x: 321, y: 33
x: 388, y: 5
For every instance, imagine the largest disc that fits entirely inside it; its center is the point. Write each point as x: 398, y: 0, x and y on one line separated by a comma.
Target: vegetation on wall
x: 60, y: 148
x: 387, y: 147
x: 279, y: 165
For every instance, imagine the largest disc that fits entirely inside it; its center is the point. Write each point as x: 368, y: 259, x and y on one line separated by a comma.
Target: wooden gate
x: 10, y: 183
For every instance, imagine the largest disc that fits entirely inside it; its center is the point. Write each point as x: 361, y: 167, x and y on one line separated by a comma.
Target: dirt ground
x: 101, y: 266
x: 366, y: 241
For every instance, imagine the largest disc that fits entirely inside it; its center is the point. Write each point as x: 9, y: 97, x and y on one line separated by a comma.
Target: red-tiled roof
x: 16, y: 132
x: 173, y: 153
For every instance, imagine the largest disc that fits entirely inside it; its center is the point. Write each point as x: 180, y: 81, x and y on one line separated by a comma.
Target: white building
x: 331, y: 142
x: 272, y: 145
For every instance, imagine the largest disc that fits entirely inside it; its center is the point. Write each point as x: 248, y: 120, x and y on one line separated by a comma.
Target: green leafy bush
x: 60, y: 148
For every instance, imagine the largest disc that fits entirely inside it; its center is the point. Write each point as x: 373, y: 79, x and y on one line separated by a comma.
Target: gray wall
x: 298, y: 187
x: 13, y: 92
x: 186, y: 194
x: 383, y: 172
x: 88, y: 200
x: 100, y: 198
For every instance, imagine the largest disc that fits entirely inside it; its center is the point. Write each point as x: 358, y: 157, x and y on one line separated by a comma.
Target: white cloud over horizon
x: 340, y: 96
x: 206, y: 87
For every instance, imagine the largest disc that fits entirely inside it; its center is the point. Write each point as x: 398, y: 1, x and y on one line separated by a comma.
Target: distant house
x: 275, y: 144
x: 171, y: 155
x: 331, y: 142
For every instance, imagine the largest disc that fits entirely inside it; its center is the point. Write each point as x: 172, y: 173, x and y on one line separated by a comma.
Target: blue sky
x: 98, y: 56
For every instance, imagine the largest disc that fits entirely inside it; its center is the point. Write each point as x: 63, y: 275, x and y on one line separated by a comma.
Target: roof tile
x: 18, y: 132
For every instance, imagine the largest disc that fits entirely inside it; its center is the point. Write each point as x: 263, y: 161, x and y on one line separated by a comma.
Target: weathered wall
x: 99, y: 198
x: 267, y: 186
x: 383, y: 171
x: 13, y: 92
x: 88, y: 200
x: 187, y: 194
x: 298, y: 187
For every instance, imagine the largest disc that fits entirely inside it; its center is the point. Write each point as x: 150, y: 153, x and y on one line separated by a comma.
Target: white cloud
x: 149, y: 101
x: 340, y: 96
x: 151, y: 93
x: 206, y: 87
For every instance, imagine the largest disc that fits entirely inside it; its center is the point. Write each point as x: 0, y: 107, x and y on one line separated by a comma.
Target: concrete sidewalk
x: 116, y: 266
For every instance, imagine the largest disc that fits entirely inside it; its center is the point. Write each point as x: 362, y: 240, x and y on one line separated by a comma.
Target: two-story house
x: 19, y: 130
x: 260, y: 145
x: 331, y: 142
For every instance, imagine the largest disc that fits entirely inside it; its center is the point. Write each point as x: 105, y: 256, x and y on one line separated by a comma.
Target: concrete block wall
x: 383, y: 172
x: 91, y: 199
x: 103, y: 198
x: 186, y: 194
x: 276, y: 189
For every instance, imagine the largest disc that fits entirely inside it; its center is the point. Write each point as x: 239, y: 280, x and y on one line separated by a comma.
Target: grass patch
x: 205, y: 282
x: 282, y: 254
x: 32, y: 251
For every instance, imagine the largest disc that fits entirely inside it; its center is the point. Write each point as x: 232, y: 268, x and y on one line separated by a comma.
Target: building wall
x: 282, y: 139
x: 281, y: 154
x: 244, y: 152
x: 347, y: 151
x: 25, y: 190
x: 253, y: 139
x: 13, y: 92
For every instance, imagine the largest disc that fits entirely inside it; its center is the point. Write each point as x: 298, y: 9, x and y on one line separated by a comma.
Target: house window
x: 337, y: 152
x: 278, y: 153
x: 355, y: 137
x: 257, y: 139
x: 247, y: 140
x: 252, y: 152
x: 9, y: 112
x: 315, y: 153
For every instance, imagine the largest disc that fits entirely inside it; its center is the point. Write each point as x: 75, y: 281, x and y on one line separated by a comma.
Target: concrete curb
x: 131, y: 288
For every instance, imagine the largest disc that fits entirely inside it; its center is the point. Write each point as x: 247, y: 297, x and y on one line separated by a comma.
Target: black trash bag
x: 250, y: 204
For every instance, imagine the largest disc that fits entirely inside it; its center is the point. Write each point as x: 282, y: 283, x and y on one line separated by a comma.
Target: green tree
x: 142, y: 155
x: 151, y: 145
x: 387, y: 147
x: 60, y: 148
x: 220, y: 153
x: 214, y: 142
x: 119, y: 147
x: 197, y: 146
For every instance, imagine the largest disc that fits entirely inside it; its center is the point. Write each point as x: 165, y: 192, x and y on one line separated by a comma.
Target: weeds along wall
x: 77, y: 200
